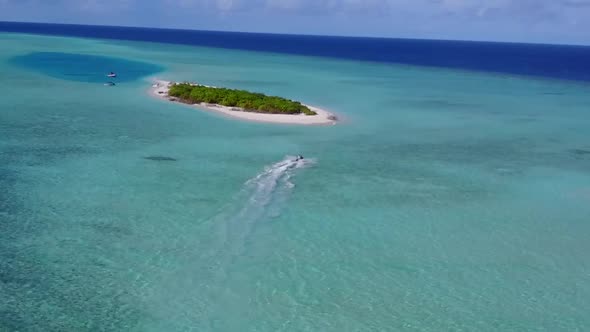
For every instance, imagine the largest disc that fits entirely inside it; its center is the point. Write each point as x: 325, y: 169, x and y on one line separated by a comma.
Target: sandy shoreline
x: 160, y: 89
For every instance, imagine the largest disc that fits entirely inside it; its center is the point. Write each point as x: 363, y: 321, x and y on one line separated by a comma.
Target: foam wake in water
x: 274, y: 177
x: 207, y: 283
x: 262, y: 197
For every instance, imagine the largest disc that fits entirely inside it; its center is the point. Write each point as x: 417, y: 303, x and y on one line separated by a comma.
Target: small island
x: 245, y: 100
x: 243, y: 104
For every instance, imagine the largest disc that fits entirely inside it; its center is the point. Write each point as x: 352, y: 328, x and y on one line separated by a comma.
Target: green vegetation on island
x: 248, y: 101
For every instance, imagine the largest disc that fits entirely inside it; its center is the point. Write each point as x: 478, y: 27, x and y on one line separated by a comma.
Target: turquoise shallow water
x: 84, y: 67
x: 444, y: 201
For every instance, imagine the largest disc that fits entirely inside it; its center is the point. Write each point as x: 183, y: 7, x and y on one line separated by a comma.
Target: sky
x: 538, y: 21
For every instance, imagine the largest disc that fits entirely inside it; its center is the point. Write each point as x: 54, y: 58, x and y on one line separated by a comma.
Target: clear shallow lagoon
x: 447, y: 200
x: 84, y: 67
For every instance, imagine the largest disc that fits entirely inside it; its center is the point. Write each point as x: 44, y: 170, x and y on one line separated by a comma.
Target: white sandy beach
x: 160, y: 89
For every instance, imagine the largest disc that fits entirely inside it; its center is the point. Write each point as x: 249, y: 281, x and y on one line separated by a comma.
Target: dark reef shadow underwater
x: 84, y: 67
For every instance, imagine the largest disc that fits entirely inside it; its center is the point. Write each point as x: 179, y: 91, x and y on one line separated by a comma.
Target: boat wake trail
x: 208, y: 281
x: 262, y: 198
x: 273, y: 183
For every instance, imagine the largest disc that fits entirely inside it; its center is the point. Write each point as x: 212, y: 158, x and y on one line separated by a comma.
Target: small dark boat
x: 110, y: 84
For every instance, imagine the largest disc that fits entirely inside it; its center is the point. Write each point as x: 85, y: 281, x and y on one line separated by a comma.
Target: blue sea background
x: 552, y: 61
x: 453, y: 195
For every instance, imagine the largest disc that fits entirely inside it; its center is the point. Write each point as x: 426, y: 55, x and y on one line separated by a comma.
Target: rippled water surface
x: 445, y: 200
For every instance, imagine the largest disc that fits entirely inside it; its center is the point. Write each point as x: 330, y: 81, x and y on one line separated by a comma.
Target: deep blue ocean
x: 550, y: 61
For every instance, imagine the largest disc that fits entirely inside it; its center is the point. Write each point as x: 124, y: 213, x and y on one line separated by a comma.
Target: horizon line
x: 300, y: 34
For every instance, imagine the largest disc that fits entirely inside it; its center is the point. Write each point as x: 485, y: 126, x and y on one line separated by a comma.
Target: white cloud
x: 101, y: 5
x: 490, y: 19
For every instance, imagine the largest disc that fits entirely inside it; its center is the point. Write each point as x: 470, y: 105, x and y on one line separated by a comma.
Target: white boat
x: 111, y: 74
